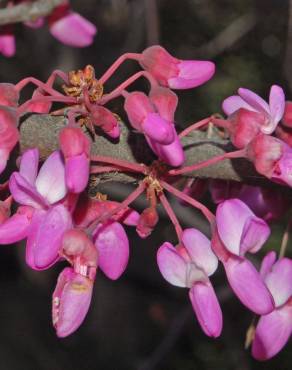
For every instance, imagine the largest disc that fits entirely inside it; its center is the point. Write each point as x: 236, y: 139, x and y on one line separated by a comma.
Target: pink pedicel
x: 189, y: 266
x: 274, y: 329
x: 271, y: 113
x: 175, y: 73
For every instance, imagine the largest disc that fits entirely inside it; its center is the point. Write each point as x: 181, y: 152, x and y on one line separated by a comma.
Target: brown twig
x: 27, y: 11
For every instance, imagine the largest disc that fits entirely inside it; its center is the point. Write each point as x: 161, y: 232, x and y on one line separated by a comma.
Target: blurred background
x: 140, y: 322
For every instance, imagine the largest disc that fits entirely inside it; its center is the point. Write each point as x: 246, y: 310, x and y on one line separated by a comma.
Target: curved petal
x: 267, y: 263
x: 272, y: 333
x: 248, y: 285
x: 207, y: 308
x: 25, y: 193
x: 277, y: 108
x: 16, y: 227
x: 158, y: 129
x: 192, y: 73
x: 71, y: 301
x: 112, y: 245
x: 254, y: 100
x: 171, y: 265
x: 50, y: 182
x: 165, y: 101
x: 29, y: 165
x: 199, y: 248
x: 254, y: 234
x: 236, y: 224
x: 45, y: 240
x: 233, y: 103
x: 279, y: 280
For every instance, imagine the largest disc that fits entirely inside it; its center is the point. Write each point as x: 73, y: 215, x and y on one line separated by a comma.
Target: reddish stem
x: 57, y: 73
x: 194, y: 126
x: 117, y: 91
x: 236, y: 154
x: 21, y: 84
x: 134, y: 195
x: 141, y: 168
x: 171, y: 215
x: 193, y: 202
x: 116, y: 64
x: 44, y: 99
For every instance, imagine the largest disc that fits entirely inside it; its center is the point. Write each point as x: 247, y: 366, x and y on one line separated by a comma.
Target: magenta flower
x: 40, y: 193
x: 240, y: 231
x: 71, y: 28
x: 71, y: 301
x: 144, y: 117
x: 274, y: 329
x: 9, y: 134
x: 165, y: 102
x: 246, y: 99
x: 7, y: 41
x: 189, y: 266
x: 175, y: 73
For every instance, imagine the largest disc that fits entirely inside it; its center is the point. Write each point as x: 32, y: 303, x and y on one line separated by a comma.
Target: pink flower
x: 144, y: 117
x: 7, y: 41
x: 271, y: 113
x: 189, y: 266
x: 71, y: 28
x: 9, y: 134
x: 165, y: 102
x: 175, y: 73
x: 71, y: 301
x: 75, y: 147
x: 43, y: 219
x: 240, y: 231
x: 274, y: 329
x: 105, y: 119
x: 272, y: 158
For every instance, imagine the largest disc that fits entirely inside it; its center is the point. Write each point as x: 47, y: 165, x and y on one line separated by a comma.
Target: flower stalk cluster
x: 60, y: 221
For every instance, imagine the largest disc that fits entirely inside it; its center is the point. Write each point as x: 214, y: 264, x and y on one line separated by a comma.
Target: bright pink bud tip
x: 75, y: 146
x: 7, y: 42
x: 72, y: 29
x: 174, y: 73
x: 71, y: 301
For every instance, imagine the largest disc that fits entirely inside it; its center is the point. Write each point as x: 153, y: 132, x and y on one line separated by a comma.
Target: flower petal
x: 158, y: 129
x: 279, y: 280
x: 50, y: 182
x: 112, y: 245
x: 272, y: 333
x: 207, y: 308
x: 199, y: 248
x: 171, y: 265
x: 16, y: 227
x: 248, y: 285
x: 73, y: 30
x: 71, y: 301
x: 254, y: 100
x: 254, y: 234
x: 233, y: 103
x: 45, y: 239
x: 267, y: 263
x: 277, y: 108
x: 29, y: 165
x: 25, y: 193
x: 77, y: 173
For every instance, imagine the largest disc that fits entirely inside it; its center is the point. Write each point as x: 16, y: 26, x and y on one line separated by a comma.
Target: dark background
x: 140, y: 322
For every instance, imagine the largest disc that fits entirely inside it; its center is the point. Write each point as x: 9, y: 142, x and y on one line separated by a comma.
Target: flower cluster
x: 61, y: 222
x: 66, y: 26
